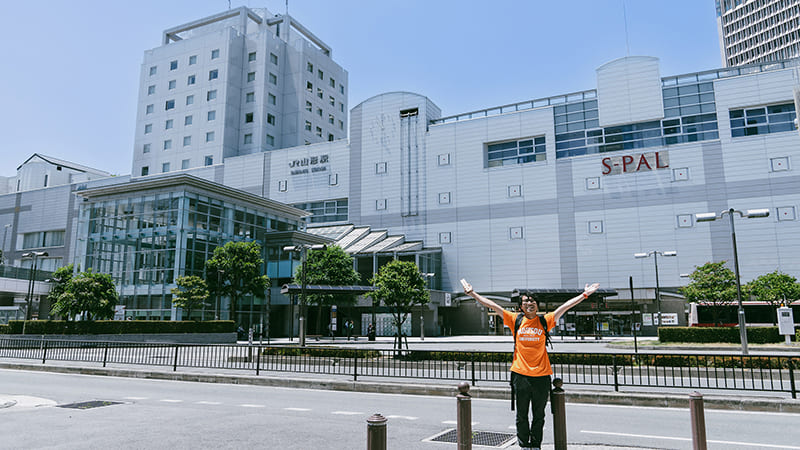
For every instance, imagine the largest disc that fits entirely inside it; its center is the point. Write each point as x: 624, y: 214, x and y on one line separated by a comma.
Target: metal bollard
x: 559, y: 410
x: 376, y: 432
x: 464, y: 417
x: 698, y: 421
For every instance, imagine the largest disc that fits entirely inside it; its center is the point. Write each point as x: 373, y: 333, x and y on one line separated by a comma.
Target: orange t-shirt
x: 530, y: 357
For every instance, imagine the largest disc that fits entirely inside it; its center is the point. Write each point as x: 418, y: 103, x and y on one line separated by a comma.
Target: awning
x: 326, y: 289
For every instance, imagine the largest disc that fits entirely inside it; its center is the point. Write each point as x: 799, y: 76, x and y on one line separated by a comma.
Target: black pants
x: 531, y: 395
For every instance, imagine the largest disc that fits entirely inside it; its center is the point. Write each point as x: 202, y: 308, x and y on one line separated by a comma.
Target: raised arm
x: 481, y: 299
x: 587, y: 291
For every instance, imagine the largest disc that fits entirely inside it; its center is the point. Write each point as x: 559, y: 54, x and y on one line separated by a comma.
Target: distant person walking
x: 530, y: 369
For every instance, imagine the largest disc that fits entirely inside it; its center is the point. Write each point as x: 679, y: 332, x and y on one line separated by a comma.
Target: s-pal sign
x: 640, y: 162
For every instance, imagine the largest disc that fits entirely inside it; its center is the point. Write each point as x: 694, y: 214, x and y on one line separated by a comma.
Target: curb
x: 737, y: 403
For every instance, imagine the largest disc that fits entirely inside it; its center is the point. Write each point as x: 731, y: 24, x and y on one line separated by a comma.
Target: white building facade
x: 756, y: 31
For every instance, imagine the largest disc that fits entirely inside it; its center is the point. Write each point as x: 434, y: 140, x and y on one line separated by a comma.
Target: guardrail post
x: 698, y: 421
x: 258, y: 360
x: 472, y: 364
x: 616, y: 381
x: 464, y: 417
x: 175, y: 361
x: 376, y: 432
x: 105, y: 354
x: 44, y: 352
x: 559, y: 410
x: 791, y: 378
x: 355, y: 367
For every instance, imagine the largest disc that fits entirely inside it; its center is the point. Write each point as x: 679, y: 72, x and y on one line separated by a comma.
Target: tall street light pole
x: 31, y: 282
x: 303, y: 250
x: 748, y: 214
x: 654, y: 254
x: 3, y: 249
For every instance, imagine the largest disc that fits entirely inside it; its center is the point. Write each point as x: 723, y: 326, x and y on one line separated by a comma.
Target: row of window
x: 173, y: 65
x: 41, y: 239
x: 326, y: 211
x: 321, y: 76
x: 185, y: 164
x: 515, y: 152
x: 763, y: 120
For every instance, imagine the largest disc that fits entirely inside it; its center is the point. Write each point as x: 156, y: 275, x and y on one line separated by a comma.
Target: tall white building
x: 235, y: 83
x: 754, y: 31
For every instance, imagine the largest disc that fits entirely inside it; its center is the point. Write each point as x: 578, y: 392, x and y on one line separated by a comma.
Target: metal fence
x: 766, y: 373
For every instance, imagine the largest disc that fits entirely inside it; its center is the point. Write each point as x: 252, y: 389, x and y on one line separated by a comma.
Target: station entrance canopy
x: 326, y: 289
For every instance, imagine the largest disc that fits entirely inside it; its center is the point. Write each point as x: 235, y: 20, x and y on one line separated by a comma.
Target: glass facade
x: 144, y: 242
x: 762, y: 120
x: 326, y: 211
x: 515, y: 152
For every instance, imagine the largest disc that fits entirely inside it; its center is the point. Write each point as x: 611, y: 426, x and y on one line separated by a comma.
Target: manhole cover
x: 89, y: 405
x: 483, y: 438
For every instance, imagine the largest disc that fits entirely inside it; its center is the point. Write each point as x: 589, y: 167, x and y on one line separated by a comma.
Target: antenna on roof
x: 625, y: 19
x: 287, y: 7
x: 229, y: 4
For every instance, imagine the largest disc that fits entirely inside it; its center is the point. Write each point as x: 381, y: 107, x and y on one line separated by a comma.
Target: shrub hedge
x: 4, y: 329
x: 755, y: 335
x: 118, y: 327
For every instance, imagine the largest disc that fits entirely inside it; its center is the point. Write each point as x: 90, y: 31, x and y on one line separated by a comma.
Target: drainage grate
x: 483, y: 438
x: 89, y: 405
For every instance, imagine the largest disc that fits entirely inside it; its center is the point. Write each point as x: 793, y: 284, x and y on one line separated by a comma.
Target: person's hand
x: 590, y: 289
x: 467, y: 287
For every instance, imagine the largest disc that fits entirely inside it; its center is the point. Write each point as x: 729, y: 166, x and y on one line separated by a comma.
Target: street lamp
x: 654, y: 254
x: 748, y: 214
x: 31, y: 282
x: 303, y: 250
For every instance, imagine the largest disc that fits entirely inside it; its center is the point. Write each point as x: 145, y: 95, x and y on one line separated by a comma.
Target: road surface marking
x: 347, y: 413
x: 297, y: 409
x: 135, y: 398
x: 649, y: 436
x: 249, y: 405
x: 453, y: 422
x: 203, y: 402
x: 402, y: 417
x: 167, y: 400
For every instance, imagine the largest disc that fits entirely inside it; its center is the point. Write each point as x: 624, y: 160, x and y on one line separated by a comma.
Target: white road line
x: 649, y: 436
x: 135, y: 398
x: 402, y: 417
x: 248, y: 405
x: 167, y: 400
x: 453, y: 422
x: 347, y: 413
x: 297, y: 409
x: 203, y: 402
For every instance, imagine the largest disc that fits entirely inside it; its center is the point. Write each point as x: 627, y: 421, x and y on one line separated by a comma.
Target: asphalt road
x: 156, y: 414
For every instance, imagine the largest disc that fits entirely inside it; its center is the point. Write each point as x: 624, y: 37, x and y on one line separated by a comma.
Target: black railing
x: 766, y: 373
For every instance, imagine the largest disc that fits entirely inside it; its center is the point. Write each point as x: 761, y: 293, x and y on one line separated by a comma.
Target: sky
x: 70, y: 70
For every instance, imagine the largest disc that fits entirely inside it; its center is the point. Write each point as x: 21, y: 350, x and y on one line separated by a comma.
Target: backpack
x: 517, y: 324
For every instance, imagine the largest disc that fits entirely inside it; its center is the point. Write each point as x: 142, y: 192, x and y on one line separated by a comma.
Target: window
x: 193, y: 60
x: 185, y: 164
x: 173, y: 65
x: 215, y: 53
x: 332, y: 101
x: 330, y: 119
x: 310, y: 67
x: 168, y: 124
x: 190, y: 80
x: 187, y: 141
x: 210, y: 136
x: 320, y: 75
x: 171, y: 85
x: 273, y: 79
x: 250, y: 97
x: 187, y: 120
x: 146, y: 148
x: 308, y: 106
x: 168, y: 144
x: 189, y: 100
x: 341, y: 107
x: 165, y: 167
x: 251, y: 76
x: 145, y: 171
x: 330, y: 137
x: 273, y: 58
x: 248, y: 138
x: 319, y: 112
x: 341, y: 125
x: 211, y: 95
x: 309, y: 86
x: 213, y: 74
x: 270, y: 140
x: 153, y: 70
x: 209, y: 160
x: 319, y: 92
x: 148, y: 109
x: 251, y: 56
x: 308, y: 126
x: 212, y: 115
x: 272, y: 99
x: 270, y: 119
x: 763, y: 120
x: 148, y: 128
x: 151, y: 89
x: 169, y: 104
x: 319, y: 131
x: 516, y: 152
x: 341, y: 89
x: 248, y: 118
x: 333, y: 83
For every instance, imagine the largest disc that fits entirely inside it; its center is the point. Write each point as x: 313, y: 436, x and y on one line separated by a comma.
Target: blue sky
x: 70, y: 69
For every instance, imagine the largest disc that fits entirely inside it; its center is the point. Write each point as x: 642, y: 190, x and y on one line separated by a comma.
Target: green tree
x: 401, y: 287
x: 235, y: 271
x: 774, y: 288
x: 713, y: 284
x: 60, y: 279
x: 91, y: 294
x: 333, y: 267
x: 191, y: 293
